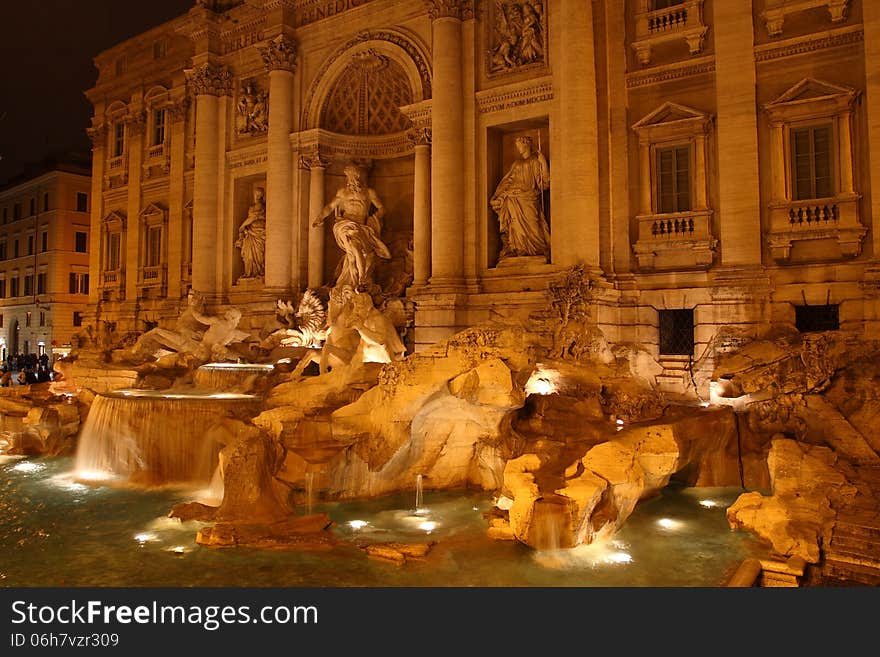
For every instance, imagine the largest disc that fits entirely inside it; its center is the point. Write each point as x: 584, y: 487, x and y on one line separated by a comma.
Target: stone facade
x: 681, y: 141
x: 44, y: 260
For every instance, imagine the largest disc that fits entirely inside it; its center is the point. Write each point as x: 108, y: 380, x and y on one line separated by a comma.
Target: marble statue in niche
x: 253, y: 110
x: 357, y: 228
x: 519, y: 202
x: 518, y: 35
x: 252, y: 237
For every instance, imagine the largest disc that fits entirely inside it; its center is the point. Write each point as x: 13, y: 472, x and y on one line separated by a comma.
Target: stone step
x: 847, y: 574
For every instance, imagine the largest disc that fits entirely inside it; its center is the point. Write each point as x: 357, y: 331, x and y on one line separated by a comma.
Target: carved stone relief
x: 518, y: 35
x: 252, y: 109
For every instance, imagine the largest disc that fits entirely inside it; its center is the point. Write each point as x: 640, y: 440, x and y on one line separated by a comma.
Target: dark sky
x: 46, y: 53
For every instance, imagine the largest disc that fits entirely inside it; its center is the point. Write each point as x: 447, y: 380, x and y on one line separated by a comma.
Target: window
x: 809, y: 319
x: 28, y: 285
x: 46, y: 202
x: 27, y: 324
x: 79, y: 283
x: 2, y: 250
x: 158, y: 127
x: 41, y: 282
x: 118, y: 139
x: 82, y: 242
x: 5, y: 215
x: 82, y: 202
x: 677, y: 332
x: 2, y: 288
x: 673, y: 179
x: 15, y: 249
x: 154, y: 246
x: 30, y: 242
x: 120, y: 66
x: 160, y: 48
x: 1, y: 321
x: 33, y: 207
x: 113, y: 251
x: 44, y: 241
x: 16, y: 211
x: 811, y: 163
x: 42, y: 318
x: 77, y: 318
x: 13, y: 287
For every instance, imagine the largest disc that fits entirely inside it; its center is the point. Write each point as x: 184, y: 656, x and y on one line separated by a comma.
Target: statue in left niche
x: 252, y: 237
x: 253, y: 110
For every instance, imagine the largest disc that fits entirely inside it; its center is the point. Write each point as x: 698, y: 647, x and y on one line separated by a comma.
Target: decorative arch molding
x: 116, y: 111
x: 157, y: 96
x: 398, y: 46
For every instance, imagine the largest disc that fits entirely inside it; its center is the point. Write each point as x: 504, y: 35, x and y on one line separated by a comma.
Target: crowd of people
x: 30, y: 368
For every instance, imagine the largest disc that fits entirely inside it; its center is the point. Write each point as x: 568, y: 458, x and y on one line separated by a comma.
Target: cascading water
x: 152, y: 438
x: 418, y: 492
x: 228, y: 376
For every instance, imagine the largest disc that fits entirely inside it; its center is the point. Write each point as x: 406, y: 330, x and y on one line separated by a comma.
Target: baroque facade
x: 44, y: 260
x: 709, y: 163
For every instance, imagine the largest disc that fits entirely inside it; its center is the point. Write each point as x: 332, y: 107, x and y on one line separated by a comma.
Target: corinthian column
x: 447, y: 170
x: 208, y: 82
x: 421, y: 139
x: 316, y: 165
x: 279, y: 54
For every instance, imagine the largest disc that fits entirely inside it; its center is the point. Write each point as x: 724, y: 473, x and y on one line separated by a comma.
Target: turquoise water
x: 56, y: 532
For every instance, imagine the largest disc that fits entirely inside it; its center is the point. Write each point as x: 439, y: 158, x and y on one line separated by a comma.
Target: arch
x: 116, y: 110
x: 157, y: 95
x: 396, y: 46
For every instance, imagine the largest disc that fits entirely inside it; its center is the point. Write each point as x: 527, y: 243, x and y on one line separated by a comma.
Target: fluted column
x: 871, y: 23
x: 575, y: 188
x: 421, y: 139
x: 134, y: 135
x: 447, y: 166
x: 176, y: 185
x: 279, y: 54
x: 317, y: 165
x: 208, y: 82
x: 98, y: 136
x: 777, y: 162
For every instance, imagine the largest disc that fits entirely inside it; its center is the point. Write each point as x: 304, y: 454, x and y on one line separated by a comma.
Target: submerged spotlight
x: 708, y: 503
x: 428, y: 526
x: 28, y: 467
x: 358, y: 524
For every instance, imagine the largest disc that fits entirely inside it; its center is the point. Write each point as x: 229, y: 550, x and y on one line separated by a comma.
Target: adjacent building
x: 711, y: 163
x: 44, y: 259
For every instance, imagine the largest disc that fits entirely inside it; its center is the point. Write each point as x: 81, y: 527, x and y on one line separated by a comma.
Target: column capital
x: 209, y: 80
x: 460, y: 9
x: 177, y: 110
x: 136, y: 122
x: 419, y: 136
x: 314, y: 159
x: 97, y: 135
x: 279, y: 53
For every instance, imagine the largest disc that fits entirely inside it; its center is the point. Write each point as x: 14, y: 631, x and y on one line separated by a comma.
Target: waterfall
x: 418, y: 492
x: 150, y: 438
x: 228, y: 376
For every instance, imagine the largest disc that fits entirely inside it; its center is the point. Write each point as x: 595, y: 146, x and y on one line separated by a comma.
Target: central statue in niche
x: 519, y: 202
x: 357, y: 228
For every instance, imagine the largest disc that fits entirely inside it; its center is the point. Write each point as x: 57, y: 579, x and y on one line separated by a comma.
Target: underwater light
x: 619, y: 557
x: 358, y: 524
x: 667, y: 523
x: 708, y: 503
x: 28, y: 467
x: 177, y: 549
x: 542, y: 382
x: 428, y: 526
x: 144, y: 537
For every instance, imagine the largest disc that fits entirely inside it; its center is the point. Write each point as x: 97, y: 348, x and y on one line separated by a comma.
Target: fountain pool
x: 55, y: 531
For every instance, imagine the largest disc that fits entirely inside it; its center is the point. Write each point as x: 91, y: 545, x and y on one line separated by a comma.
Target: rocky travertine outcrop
x: 807, y: 487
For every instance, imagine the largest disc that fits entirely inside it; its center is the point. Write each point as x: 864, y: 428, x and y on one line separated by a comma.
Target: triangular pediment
x: 114, y: 218
x: 152, y: 209
x: 810, y: 89
x: 671, y: 113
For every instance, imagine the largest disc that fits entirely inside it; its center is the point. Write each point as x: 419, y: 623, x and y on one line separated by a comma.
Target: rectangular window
x: 2, y: 250
x: 82, y: 202
x: 154, y: 246
x: 118, y: 139
x: 42, y: 278
x: 811, y: 163
x: 677, y: 332
x: 13, y: 287
x: 5, y: 215
x: 44, y: 241
x: 673, y: 179
x: 79, y: 283
x: 46, y: 202
x: 2, y: 288
x: 16, y: 211
x: 27, y: 324
x: 77, y: 318
x: 28, y: 285
x: 33, y: 207
x: 42, y: 318
x: 120, y: 66
x: 113, y: 251
x: 82, y: 240
x: 158, y: 127
x: 810, y: 319
x: 15, y: 249
x: 160, y: 47
x: 30, y: 245
x: 1, y: 321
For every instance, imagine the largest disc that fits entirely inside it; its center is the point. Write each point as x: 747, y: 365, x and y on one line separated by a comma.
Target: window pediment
x: 114, y: 222
x: 672, y: 121
x: 153, y: 215
x: 811, y: 97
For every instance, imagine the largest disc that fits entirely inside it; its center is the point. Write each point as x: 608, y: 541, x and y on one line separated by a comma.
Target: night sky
x: 46, y: 53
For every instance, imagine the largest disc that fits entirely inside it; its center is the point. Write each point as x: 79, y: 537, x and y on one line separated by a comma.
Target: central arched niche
x: 355, y: 104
